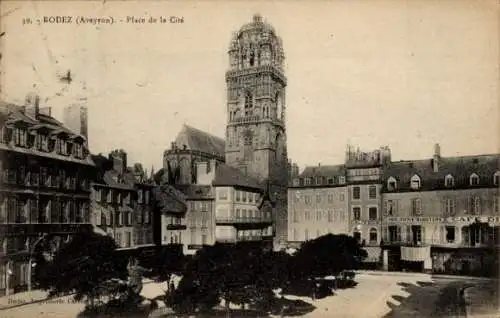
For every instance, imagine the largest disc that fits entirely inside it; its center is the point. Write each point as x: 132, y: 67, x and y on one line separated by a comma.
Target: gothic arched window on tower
x: 247, y: 144
x: 252, y: 58
x: 248, y: 104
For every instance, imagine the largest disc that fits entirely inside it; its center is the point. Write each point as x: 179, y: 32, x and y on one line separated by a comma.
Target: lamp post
x: 32, y: 264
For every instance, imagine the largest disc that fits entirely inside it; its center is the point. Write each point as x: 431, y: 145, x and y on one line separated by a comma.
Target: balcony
x: 250, y: 238
x: 243, y: 220
x: 176, y: 227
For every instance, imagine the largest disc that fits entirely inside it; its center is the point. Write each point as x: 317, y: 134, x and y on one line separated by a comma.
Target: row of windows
x: 201, y: 206
x: 372, y: 192
x: 14, y: 210
x: 43, y: 176
x: 308, y: 234
x: 449, y: 181
x: 203, y: 222
x: 475, y: 206
x: 240, y: 196
x: 42, y: 142
x: 114, y: 196
x: 330, y: 215
x: 319, y: 181
x: 318, y: 198
x: 121, y: 218
x: 372, y: 213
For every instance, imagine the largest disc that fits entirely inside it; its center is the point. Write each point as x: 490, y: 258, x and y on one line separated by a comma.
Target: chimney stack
x: 436, y: 158
x: 32, y: 105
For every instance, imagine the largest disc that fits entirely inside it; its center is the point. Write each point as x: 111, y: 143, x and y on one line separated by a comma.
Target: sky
x: 407, y: 74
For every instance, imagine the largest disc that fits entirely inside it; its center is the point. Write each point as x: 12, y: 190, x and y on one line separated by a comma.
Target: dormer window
x: 295, y: 182
x: 330, y: 181
x: 449, y: 181
x: 496, y: 178
x: 391, y: 184
x: 319, y: 180
x: 474, y: 179
x: 341, y: 180
x: 20, y: 137
x: 415, y: 182
x: 307, y: 181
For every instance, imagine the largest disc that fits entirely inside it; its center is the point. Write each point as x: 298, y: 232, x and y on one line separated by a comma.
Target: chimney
x: 119, y: 159
x: 436, y: 158
x: 32, y: 105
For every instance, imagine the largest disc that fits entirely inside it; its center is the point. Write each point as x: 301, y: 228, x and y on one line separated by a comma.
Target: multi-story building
x: 364, y: 188
x: 45, y: 176
x: 255, y: 147
x: 317, y: 204
x: 442, y: 214
x: 123, y: 203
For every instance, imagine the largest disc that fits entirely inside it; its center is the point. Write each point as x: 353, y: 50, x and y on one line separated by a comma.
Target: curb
x: 145, y: 282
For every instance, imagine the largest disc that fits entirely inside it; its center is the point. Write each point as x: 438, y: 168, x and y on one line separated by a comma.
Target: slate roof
x: 195, y: 191
x: 196, y: 139
x: 170, y: 200
x: 460, y: 168
x: 323, y: 171
x: 228, y: 176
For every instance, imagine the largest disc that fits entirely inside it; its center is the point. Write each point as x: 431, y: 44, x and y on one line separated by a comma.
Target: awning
x: 373, y: 254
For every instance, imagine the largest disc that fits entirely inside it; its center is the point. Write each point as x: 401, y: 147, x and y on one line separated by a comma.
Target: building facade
x: 256, y: 107
x: 317, y: 204
x: 45, y: 175
x: 123, y: 203
x: 442, y: 214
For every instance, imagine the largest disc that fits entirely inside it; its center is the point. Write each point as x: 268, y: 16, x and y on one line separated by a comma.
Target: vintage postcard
x: 249, y: 158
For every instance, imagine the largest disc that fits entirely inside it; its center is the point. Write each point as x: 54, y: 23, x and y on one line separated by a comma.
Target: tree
x: 85, y: 266
x: 327, y: 255
x: 229, y: 272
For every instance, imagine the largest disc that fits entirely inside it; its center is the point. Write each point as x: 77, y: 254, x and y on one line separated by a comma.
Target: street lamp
x: 31, y: 263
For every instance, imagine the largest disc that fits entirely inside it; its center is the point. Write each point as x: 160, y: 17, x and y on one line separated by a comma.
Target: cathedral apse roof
x: 229, y: 176
x: 195, y: 139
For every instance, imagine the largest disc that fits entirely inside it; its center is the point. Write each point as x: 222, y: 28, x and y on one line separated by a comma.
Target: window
x: 244, y: 196
x: 139, y: 196
x: 341, y: 196
x: 474, y: 179
x: 295, y: 235
x: 330, y: 198
x: 341, y: 180
x: 20, y: 137
x: 356, y: 212
x: 373, y: 236
x: 318, y: 198
x: 307, y: 199
x: 394, y: 233
x: 372, y: 192
x: 306, y: 234
x: 416, y: 207
x: 330, y: 181
x: 296, y: 182
x: 372, y: 213
x: 496, y: 178
x: 415, y: 182
x: 308, y: 215
x: 450, y: 207
x: 248, y: 104
x: 295, y: 216
x: 146, y: 196
x: 450, y: 234
x: 496, y: 204
x: 476, y: 205
x: 389, y: 207
x: 319, y: 180
x: 318, y: 215
x: 449, y: 181
x: 391, y: 184
x: 416, y: 231
x: 203, y: 239
x: 357, y: 236
x: 330, y: 216
x: 238, y: 196
x: 307, y: 181
x: 356, y: 193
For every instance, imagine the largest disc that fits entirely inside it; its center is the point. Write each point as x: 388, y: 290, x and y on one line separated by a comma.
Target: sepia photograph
x: 249, y: 158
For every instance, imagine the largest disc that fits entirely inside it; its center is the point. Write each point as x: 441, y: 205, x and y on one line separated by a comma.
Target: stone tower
x: 256, y: 130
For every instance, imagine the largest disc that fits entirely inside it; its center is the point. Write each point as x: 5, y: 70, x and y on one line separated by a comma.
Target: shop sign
x: 458, y: 219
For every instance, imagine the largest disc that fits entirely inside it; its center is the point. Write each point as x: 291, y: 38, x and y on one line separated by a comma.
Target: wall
x: 200, y: 221
x: 313, y: 216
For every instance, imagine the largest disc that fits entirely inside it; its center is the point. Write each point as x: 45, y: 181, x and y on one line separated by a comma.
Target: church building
x: 250, y: 167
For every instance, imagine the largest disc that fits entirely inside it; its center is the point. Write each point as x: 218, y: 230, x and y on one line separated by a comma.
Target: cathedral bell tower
x: 256, y: 130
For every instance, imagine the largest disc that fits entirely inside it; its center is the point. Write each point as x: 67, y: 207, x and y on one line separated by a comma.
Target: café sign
x: 458, y: 219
